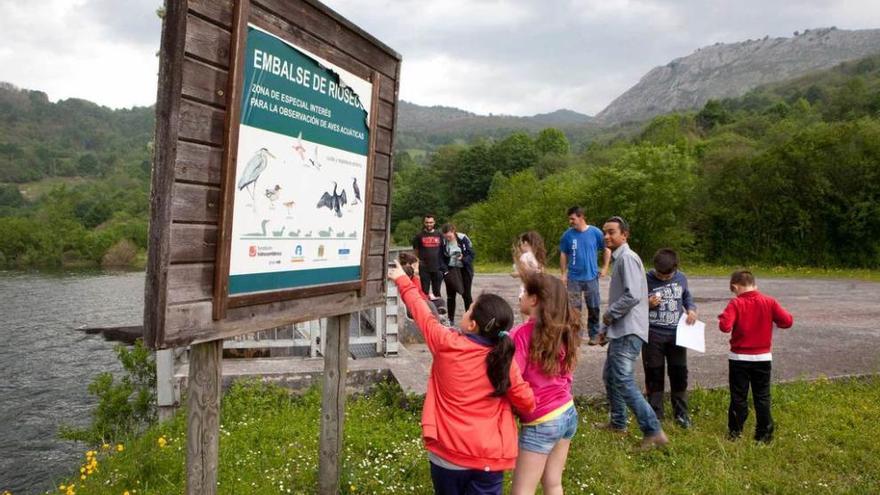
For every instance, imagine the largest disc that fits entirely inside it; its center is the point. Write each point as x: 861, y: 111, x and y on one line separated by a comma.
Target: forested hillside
x: 84, y: 171
x: 787, y: 174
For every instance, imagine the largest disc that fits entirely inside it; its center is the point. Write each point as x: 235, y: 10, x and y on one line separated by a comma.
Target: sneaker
x: 733, y: 435
x: 658, y: 439
x: 610, y: 428
x: 683, y: 421
x: 598, y: 340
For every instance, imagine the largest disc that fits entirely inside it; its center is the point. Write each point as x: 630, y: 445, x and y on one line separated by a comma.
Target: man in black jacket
x: 427, y: 244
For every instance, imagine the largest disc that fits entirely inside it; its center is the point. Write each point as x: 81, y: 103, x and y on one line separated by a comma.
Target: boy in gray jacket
x: 626, y: 327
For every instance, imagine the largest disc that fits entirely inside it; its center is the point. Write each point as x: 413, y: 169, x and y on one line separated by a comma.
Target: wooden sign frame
x: 187, y: 298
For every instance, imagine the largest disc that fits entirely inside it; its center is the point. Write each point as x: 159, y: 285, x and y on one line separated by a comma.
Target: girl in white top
x: 529, y: 255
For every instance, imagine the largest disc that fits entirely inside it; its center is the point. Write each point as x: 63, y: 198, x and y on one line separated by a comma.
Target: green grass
x: 826, y: 442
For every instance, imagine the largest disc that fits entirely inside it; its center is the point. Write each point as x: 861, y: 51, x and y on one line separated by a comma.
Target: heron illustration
x: 262, y: 232
x: 357, y: 191
x: 256, y: 165
x: 334, y: 201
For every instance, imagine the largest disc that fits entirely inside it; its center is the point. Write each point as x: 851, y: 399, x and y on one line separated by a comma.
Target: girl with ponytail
x: 546, y: 352
x: 468, y: 423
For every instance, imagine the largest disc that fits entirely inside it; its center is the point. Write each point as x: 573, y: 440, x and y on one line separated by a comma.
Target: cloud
x: 501, y: 56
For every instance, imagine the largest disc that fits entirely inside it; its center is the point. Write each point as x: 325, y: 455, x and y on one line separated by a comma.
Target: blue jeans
x: 620, y: 385
x: 589, y: 289
x: 542, y: 437
x: 466, y: 482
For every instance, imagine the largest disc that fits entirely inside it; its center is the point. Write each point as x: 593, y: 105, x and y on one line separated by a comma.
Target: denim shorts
x: 542, y: 437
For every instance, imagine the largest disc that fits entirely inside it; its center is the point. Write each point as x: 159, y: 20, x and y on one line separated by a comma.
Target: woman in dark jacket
x: 457, y: 265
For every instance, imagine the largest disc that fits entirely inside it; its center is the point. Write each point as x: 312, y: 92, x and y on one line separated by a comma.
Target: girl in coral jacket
x: 468, y: 421
x: 546, y: 352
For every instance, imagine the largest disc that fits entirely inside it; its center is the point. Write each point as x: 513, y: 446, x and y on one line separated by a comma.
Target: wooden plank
x: 162, y: 181
x: 204, y: 83
x: 383, y: 166
x: 207, y: 41
x: 376, y: 288
x: 333, y: 404
x: 191, y: 282
x: 380, y: 192
x: 203, y: 418
x: 201, y: 123
x: 283, y: 295
x: 198, y: 163
x: 230, y: 150
x: 219, y: 11
x: 193, y: 243
x: 377, y: 216
x: 386, y: 89
x: 377, y: 242
x: 371, y: 158
x: 193, y: 322
x: 334, y: 34
x: 386, y: 114
x: 195, y: 203
x: 375, y: 267
x: 383, y: 141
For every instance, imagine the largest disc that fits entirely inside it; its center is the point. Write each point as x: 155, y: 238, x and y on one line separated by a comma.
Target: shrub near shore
x: 826, y: 443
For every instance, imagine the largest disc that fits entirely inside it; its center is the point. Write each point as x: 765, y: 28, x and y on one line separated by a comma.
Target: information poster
x: 301, y: 173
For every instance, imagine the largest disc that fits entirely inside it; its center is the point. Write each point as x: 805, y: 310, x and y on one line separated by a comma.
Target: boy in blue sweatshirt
x: 668, y: 298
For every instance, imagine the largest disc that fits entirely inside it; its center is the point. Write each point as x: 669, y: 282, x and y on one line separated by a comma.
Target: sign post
x: 270, y: 193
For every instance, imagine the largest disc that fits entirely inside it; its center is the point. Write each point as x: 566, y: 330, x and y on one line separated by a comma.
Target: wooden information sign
x: 270, y: 193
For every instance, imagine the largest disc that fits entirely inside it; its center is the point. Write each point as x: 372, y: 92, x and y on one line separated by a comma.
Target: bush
x: 121, y: 254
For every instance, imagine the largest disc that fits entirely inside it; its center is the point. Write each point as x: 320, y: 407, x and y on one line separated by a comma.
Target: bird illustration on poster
x: 255, y: 167
x: 335, y: 201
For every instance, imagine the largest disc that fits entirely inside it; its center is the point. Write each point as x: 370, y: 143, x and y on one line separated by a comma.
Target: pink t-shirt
x: 551, y: 392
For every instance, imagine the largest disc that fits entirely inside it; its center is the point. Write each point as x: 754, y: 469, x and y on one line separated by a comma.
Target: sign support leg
x: 333, y: 403
x: 203, y: 418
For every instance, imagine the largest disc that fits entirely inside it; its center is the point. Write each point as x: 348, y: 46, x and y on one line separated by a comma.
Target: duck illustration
x: 273, y: 195
x: 262, y: 233
x: 353, y: 234
x: 308, y: 234
x: 294, y: 233
x: 279, y: 233
x: 340, y: 234
x: 325, y: 233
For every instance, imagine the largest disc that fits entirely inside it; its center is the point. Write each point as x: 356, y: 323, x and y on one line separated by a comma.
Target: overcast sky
x: 517, y: 57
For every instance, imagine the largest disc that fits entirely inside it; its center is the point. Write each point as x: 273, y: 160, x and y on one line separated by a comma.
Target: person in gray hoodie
x: 625, y: 324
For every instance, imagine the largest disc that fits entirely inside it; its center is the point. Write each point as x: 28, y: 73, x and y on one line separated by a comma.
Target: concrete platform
x: 836, y: 333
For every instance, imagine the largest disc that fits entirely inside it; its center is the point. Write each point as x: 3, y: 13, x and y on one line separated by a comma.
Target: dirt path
x: 836, y: 333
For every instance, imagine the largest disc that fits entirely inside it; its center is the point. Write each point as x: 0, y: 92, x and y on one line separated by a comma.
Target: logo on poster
x: 297, y: 254
x: 321, y: 251
x: 252, y: 251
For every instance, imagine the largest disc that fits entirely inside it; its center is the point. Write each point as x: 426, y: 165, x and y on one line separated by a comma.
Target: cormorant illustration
x: 357, y: 191
x: 334, y: 201
x: 256, y: 165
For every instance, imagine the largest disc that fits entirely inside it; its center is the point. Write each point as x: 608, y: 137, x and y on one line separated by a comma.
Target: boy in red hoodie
x: 749, y: 318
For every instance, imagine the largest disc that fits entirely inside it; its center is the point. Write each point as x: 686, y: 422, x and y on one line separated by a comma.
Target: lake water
x: 46, y: 366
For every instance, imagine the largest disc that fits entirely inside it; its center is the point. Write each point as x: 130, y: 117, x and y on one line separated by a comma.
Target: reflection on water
x: 46, y: 366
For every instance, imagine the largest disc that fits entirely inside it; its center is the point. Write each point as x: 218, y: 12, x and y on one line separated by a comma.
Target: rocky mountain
x: 726, y: 70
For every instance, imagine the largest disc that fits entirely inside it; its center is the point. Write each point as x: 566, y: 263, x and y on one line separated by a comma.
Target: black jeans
x: 660, y: 353
x: 757, y: 375
x: 467, y: 279
x: 431, y: 281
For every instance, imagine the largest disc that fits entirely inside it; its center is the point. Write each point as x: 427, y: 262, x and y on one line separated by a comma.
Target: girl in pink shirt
x: 546, y: 352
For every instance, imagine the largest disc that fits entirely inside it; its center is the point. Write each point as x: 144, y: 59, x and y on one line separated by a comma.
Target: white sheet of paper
x: 691, y: 336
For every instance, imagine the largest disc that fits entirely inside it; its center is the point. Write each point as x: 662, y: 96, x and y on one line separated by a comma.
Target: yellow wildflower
x: 162, y: 442
x: 106, y: 446
x: 61, y: 488
x: 120, y: 447
x: 125, y: 493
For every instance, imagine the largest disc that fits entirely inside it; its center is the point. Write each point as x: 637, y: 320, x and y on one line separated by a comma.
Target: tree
x: 552, y: 141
